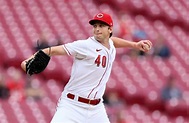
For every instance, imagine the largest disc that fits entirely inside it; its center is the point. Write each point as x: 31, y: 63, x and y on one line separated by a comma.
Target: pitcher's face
x: 101, y: 31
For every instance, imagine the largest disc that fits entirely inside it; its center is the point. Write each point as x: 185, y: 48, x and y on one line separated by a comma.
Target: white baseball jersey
x: 90, y: 72
x: 91, y: 68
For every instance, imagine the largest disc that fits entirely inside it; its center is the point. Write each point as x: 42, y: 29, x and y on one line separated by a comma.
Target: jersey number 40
x: 101, y: 60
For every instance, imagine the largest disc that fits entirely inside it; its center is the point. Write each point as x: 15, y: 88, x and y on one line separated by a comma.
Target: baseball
x: 146, y: 47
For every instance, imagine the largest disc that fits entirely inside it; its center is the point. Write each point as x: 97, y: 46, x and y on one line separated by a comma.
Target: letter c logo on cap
x: 100, y: 15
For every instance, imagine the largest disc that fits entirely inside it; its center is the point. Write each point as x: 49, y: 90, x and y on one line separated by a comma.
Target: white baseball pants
x: 72, y: 111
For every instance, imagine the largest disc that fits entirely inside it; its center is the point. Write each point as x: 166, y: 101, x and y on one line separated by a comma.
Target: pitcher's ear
x: 110, y: 29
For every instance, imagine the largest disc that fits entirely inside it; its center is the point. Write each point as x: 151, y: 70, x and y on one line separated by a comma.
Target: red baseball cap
x: 106, y: 18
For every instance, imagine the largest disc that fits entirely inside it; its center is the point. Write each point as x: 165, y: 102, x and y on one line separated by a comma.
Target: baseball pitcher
x: 81, y: 100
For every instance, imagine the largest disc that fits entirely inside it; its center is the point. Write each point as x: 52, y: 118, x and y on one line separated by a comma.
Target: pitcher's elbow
x: 23, y: 65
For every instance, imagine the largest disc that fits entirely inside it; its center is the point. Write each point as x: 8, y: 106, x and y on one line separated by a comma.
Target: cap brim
x: 92, y: 22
